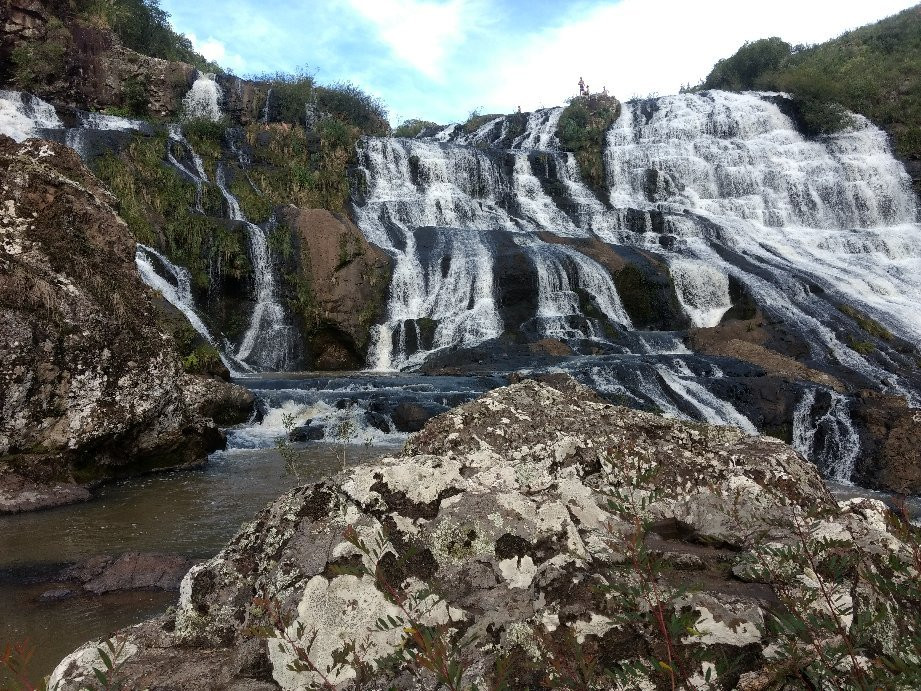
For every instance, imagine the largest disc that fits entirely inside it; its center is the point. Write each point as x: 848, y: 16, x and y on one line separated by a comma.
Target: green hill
x: 874, y: 70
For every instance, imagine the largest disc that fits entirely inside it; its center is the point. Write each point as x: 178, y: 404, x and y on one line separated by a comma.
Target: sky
x: 442, y: 59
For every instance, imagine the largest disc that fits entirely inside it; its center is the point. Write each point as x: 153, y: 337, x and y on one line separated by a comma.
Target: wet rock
x: 56, y: 595
x: 305, y: 433
x: 890, y: 436
x: 377, y: 421
x: 349, y: 280
x: 132, y: 571
x: 411, y: 417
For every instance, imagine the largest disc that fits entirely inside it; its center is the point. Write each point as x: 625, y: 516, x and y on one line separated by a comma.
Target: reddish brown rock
x: 347, y: 279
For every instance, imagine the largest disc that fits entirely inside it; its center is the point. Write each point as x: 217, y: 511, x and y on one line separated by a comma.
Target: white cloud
x: 637, y: 47
x: 215, y: 51
x: 421, y: 33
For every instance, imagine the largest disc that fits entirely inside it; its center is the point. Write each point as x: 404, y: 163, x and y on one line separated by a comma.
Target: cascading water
x: 823, y: 433
x: 719, y: 188
x: 203, y: 100
x: 268, y: 343
x: 23, y: 116
x: 177, y: 290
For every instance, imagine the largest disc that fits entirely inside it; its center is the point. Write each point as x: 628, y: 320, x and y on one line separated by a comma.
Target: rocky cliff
x: 540, y: 538
x: 67, y: 58
x: 91, y: 385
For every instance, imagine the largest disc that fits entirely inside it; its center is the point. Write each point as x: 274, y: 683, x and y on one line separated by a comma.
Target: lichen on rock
x: 507, y: 530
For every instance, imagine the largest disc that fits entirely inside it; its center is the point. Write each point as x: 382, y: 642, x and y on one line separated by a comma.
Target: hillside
x: 874, y: 70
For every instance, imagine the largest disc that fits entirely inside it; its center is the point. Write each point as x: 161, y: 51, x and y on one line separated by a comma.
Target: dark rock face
x: 347, y: 279
x: 505, y: 502
x: 890, y: 444
x: 411, y: 417
x: 90, y: 386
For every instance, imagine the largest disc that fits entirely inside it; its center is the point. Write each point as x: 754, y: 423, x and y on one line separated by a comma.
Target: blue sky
x: 441, y: 59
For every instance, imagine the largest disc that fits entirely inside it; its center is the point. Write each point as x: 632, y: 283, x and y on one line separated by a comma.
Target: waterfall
x: 23, y: 116
x: 266, y: 110
x: 197, y: 172
x: 702, y: 290
x: 541, y: 130
x: 268, y: 342
x: 203, y: 100
x: 177, y: 290
x: 825, y: 434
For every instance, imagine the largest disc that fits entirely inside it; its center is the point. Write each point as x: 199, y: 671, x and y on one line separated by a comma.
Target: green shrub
x: 143, y: 26
x: 582, y: 130
x: 291, y: 92
x: 205, y: 136
x: 203, y: 360
x: 874, y: 70
x: 134, y: 98
x: 41, y: 62
x: 745, y: 70
x: 348, y: 103
x: 412, y: 128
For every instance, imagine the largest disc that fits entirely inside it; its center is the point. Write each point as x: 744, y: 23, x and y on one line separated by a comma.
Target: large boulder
x: 91, y: 386
x: 508, y: 539
x: 348, y: 281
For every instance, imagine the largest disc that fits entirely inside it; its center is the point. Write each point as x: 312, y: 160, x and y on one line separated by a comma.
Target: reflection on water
x: 192, y: 513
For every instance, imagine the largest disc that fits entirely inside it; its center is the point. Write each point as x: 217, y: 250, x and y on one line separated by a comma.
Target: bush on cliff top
x: 874, y: 70
x: 144, y: 26
x: 582, y: 130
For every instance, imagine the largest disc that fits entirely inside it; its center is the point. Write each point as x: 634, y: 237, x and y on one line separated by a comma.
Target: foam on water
x: 23, y: 116
x: 203, y: 99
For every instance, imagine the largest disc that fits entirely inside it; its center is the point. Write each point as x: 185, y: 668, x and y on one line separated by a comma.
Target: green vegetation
x: 476, y: 120
x: 350, y: 105
x: 868, y: 324
x: 197, y: 356
x: 143, y: 26
x: 156, y: 202
x: 874, y: 70
x: 862, y: 347
x: 412, y: 128
x: 582, y: 129
x: 291, y: 92
x: 41, y: 62
x: 205, y: 136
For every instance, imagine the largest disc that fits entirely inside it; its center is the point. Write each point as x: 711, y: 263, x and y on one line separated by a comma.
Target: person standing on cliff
x: 581, y: 86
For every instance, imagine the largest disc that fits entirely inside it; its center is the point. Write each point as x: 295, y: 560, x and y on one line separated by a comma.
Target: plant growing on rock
x: 582, y: 130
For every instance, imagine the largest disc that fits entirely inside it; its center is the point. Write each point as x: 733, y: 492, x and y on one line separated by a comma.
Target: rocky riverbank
x: 91, y: 383
x: 540, y: 537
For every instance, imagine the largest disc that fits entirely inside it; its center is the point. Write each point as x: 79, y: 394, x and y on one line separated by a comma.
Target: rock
x: 132, y: 571
x: 56, y: 595
x: 521, y: 507
x: 227, y: 404
x: 377, y: 421
x: 99, y: 72
x: 18, y: 494
x: 411, y: 417
x: 308, y: 432
x: 349, y: 280
x: 92, y: 386
x: 890, y: 436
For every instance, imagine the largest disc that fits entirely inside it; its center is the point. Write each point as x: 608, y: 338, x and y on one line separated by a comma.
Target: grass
x: 868, y: 324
